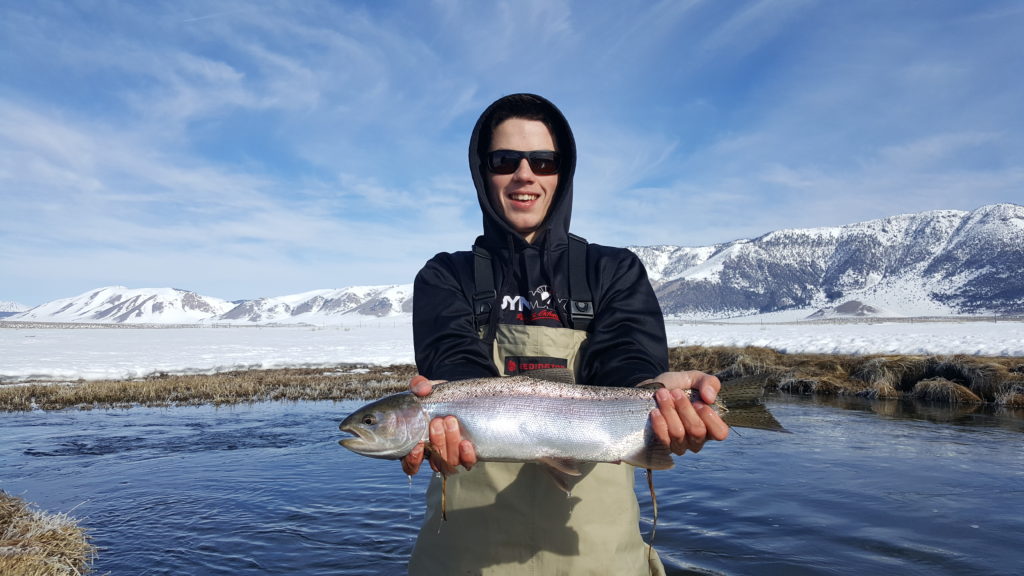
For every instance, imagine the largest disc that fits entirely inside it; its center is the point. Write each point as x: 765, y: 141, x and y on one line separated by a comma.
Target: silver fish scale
x: 521, y: 419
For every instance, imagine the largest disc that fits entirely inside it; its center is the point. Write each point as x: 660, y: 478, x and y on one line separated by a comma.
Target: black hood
x: 554, y: 232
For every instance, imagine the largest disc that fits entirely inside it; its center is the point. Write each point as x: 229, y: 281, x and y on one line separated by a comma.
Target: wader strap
x: 485, y: 294
x: 581, y: 304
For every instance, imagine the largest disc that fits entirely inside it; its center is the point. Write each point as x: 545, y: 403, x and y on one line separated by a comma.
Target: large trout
x: 520, y: 419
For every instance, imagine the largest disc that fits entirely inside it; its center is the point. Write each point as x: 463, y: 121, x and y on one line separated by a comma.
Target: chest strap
x: 485, y: 295
x: 581, y: 302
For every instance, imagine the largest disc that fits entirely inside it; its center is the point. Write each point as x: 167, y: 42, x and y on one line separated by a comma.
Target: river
x: 857, y: 487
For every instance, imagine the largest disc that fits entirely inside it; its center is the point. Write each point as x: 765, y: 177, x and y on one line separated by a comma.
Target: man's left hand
x: 681, y: 424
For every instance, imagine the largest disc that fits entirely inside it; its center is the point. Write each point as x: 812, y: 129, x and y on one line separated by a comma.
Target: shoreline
x: 944, y: 379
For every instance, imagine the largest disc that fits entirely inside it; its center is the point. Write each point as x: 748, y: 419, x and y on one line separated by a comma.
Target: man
x: 508, y: 518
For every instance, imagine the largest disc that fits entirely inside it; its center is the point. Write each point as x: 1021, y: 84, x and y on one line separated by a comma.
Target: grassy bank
x: 956, y: 379
x: 944, y: 379
x: 351, y: 381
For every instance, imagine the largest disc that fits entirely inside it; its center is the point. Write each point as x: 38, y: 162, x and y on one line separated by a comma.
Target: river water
x: 857, y: 488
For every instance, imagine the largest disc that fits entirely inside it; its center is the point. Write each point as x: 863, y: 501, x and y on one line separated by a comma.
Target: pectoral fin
x: 566, y: 466
x: 566, y: 473
x: 653, y: 456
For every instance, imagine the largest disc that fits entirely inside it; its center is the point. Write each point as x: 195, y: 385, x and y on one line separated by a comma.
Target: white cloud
x: 239, y: 144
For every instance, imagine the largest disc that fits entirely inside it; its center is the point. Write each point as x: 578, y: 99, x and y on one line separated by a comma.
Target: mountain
x: 10, y: 308
x: 321, y: 306
x: 120, y: 305
x: 930, y: 263
x: 938, y: 263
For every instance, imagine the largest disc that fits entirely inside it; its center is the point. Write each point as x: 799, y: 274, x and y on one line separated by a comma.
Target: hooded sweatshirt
x: 626, y: 343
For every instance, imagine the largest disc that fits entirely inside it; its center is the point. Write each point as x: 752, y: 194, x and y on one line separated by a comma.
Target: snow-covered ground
x: 117, y: 352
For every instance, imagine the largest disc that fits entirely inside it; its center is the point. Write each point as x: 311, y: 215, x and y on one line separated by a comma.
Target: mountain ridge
x: 935, y: 263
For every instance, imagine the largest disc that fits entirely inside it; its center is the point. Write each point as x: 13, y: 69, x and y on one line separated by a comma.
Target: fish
x: 523, y: 419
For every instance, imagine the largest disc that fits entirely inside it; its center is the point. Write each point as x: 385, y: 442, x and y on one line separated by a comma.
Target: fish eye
x: 369, y: 419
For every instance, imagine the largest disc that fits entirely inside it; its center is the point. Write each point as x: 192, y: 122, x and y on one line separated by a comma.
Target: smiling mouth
x: 524, y: 197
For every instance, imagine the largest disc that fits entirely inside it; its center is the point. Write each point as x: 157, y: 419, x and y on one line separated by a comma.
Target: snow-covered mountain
x: 120, y: 305
x: 321, y: 306
x: 942, y: 262
x: 930, y: 263
x: 8, y: 308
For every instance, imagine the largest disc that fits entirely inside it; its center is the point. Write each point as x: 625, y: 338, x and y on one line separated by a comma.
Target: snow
x: 979, y: 337
x: 38, y: 353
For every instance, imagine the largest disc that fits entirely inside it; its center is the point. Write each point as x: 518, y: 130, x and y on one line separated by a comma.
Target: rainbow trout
x: 520, y: 419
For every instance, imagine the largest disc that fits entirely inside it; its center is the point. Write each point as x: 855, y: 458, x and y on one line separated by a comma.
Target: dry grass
x: 998, y: 380
x: 946, y: 391
x: 335, y: 383
x: 968, y: 379
x: 1013, y: 396
x: 34, y: 543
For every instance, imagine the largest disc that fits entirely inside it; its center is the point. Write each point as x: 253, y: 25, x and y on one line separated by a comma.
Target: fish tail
x: 741, y: 405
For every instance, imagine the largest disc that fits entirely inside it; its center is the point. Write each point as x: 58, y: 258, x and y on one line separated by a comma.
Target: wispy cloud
x: 248, y: 149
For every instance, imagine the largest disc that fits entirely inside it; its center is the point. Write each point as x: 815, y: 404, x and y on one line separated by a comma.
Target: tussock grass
x: 245, y: 386
x: 1013, y: 396
x: 941, y: 390
x: 998, y: 380
x: 35, y: 543
x: 957, y: 379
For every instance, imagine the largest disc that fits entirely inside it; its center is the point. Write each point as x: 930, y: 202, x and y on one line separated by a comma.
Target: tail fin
x: 743, y: 399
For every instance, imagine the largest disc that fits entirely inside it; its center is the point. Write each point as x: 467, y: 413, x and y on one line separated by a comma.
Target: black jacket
x: 626, y: 344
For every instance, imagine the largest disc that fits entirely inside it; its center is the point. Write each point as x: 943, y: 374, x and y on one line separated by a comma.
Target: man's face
x: 522, y: 197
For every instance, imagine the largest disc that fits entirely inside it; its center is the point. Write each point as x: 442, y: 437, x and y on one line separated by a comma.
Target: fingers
x: 717, y: 428
x: 448, y: 448
x: 411, y: 462
x: 683, y: 426
x: 452, y: 439
x: 420, y: 385
x: 467, y: 454
x: 706, y: 385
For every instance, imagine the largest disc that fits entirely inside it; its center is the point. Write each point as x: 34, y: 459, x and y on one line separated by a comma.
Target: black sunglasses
x: 542, y: 162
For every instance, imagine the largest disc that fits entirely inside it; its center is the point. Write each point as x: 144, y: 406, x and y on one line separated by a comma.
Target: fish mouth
x: 355, y: 440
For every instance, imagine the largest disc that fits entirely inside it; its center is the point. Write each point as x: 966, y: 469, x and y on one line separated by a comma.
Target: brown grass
x: 34, y: 543
x: 946, y: 391
x: 335, y: 383
x: 1013, y: 396
x: 996, y: 380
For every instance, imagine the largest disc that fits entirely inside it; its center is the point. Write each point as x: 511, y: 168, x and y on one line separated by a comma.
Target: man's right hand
x: 448, y: 448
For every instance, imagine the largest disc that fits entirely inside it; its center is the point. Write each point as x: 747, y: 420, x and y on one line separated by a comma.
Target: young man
x: 509, y: 518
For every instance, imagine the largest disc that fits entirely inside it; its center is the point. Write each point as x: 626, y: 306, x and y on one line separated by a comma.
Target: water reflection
x: 983, y: 415
x: 858, y: 487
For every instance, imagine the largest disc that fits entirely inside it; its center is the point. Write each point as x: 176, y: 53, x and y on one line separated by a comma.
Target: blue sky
x: 246, y: 149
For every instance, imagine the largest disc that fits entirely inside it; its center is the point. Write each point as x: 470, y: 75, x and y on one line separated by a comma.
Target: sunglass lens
x: 503, y: 161
x: 544, y: 163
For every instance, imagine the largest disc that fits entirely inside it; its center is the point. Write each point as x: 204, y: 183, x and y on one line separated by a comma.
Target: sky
x: 249, y: 149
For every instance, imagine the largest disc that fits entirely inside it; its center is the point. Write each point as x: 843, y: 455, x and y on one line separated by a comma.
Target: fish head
x: 387, y: 428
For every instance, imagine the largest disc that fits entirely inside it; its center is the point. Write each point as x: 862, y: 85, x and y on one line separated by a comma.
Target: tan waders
x: 510, y: 518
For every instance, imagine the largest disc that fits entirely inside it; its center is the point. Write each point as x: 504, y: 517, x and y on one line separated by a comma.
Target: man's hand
x: 681, y: 424
x: 448, y: 449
